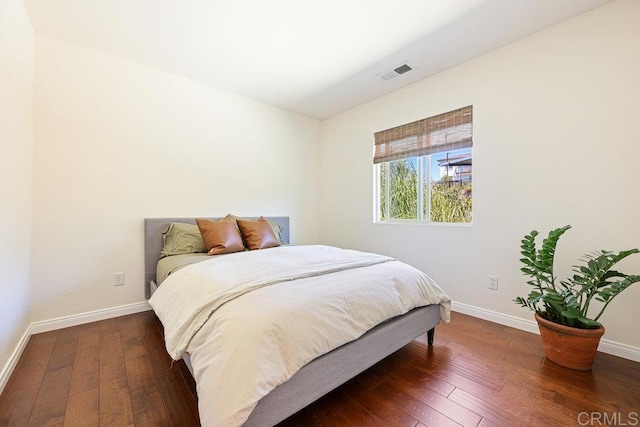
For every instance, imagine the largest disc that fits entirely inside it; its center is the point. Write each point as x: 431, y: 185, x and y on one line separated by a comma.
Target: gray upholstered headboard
x: 153, y: 228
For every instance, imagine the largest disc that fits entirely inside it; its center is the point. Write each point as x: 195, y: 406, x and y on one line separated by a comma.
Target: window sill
x: 419, y: 222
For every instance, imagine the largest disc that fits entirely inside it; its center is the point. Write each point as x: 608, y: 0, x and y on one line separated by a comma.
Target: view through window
x: 424, y: 170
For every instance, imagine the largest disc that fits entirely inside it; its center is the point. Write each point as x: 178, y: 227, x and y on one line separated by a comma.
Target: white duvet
x: 250, y: 320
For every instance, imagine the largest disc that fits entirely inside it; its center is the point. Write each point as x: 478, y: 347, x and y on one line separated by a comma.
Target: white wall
x: 116, y: 142
x: 16, y: 150
x: 556, y: 141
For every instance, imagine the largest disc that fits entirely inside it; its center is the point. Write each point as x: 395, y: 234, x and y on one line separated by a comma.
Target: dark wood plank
x: 417, y: 409
x: 334, y: 409
x: 181, y: 406
x: 416, y: 388
x: 146, y: 402
x: 33, y: 363
x: 404, y: 375
x: 146, y: 322
x: 130, y: 338
x: 491, y: 414
x: 83, y: 409
x: 16, y: 405
x: 21, y: 360
x: 158, y: 356
x: 527, y: 409
x: 379, y: 404
x: 45, y: 337
x: 369, y: 379
x: 86, y: 370
x: 51, y: 403
x: 115, y: 402
x: 108, y: 326
x: 486, y: 375
x: 117, y: 372
x: 89, y: 335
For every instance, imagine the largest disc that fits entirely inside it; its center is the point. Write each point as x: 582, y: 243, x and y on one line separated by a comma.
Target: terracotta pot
x: 572, y: 348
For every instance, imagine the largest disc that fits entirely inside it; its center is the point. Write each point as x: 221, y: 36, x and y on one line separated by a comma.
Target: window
x: 424, y: 170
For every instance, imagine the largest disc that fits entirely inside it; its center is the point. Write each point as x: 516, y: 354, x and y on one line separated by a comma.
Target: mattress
x: 251, y: 320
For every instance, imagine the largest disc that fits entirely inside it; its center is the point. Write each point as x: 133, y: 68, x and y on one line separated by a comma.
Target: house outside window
x: 424, y: 170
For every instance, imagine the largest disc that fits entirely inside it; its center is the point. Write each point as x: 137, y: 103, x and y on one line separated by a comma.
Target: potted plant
x: 569, y: 335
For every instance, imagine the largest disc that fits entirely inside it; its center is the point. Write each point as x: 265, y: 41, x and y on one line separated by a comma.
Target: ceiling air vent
x: 401, y: 69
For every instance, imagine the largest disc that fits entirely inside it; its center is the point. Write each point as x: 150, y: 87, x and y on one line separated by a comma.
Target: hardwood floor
x: 477, y: 373
x: 113, y: 373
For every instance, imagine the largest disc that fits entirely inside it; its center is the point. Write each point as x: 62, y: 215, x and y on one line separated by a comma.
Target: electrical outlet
x: 118, y: 279
x: 493, y: 282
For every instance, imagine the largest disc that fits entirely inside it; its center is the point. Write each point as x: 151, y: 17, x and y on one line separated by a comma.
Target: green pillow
x: 180, y: 238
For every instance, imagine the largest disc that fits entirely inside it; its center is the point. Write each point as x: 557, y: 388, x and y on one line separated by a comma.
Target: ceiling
x: 313, y: 57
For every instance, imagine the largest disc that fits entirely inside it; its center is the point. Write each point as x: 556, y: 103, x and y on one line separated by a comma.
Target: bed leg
x: 430, y: 334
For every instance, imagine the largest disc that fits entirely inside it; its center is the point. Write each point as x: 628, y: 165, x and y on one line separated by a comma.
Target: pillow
x: 275, y: 226
x: 220, y: 237
x: 277, y: 230
x: 257, y: 234
x: 180, y: 238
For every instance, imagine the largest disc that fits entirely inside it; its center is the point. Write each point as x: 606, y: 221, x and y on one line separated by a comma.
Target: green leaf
x: 572, y: 313
x: 590, y: 324
x: 568, y: 301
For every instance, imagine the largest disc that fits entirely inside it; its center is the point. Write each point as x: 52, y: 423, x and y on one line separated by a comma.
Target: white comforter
x: 250, y: 320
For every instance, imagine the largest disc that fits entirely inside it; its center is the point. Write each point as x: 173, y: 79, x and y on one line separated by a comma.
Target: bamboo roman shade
x: 444, y: 132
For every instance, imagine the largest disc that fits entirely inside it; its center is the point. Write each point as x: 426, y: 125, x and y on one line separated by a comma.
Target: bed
x: 316, y: 377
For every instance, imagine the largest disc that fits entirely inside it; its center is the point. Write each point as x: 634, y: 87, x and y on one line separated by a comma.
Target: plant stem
x: 603, y: 308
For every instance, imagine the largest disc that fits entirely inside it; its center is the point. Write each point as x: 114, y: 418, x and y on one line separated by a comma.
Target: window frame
x: 419, y: 141
x: 424, y: 214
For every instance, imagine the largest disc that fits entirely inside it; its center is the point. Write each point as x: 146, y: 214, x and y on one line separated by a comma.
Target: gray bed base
x: 327, y: 372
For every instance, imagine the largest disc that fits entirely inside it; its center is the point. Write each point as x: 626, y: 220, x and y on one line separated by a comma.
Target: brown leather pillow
x: 220, y: 237
x: 257, y: 234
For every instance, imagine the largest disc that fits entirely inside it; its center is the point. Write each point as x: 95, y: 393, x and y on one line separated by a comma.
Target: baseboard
x: 621, y: 350
x: 606, y: 346
x: 88, y: 317
x: 13, y: 359
x: 65, y: 322
x: 494, y: 316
